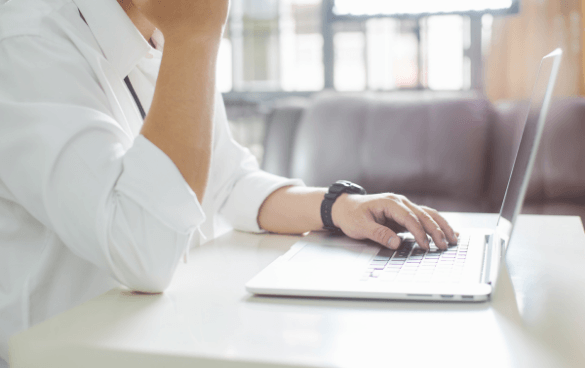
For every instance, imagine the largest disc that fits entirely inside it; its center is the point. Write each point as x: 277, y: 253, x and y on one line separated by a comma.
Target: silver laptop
x: 325, y: 265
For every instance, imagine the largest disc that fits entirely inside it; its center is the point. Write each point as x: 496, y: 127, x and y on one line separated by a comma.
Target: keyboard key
x: 378, y: 263
x: 385, y: 252
x: 430, y: 262
x: 393, y: 267
x: 405, y: 248
x: 442, y: 270
x: 376, y: 273
x: 392, y: 270
x: 407, y: 272
x: 381, y: 259
x: 447, y: 259
x: 445, y: 264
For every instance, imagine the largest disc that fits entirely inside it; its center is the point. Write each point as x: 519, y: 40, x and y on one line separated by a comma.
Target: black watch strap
x: 335, y: 190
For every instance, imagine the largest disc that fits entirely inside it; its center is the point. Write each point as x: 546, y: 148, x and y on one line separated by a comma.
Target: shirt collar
x: 120, y: 41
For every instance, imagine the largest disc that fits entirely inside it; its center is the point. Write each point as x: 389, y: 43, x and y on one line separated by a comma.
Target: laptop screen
x: 534, y: 124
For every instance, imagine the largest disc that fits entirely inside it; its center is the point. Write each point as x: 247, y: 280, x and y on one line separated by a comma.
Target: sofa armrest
x: 281, y: 126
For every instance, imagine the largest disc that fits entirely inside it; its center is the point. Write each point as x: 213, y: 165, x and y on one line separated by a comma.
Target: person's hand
x: 379, y: 217
x: 186, y: 19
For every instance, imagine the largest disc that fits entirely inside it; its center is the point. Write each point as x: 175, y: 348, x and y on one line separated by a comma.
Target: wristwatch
x: 335, y: 190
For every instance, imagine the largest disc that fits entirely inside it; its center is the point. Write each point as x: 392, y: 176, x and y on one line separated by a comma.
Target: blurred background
x: 275, y: 49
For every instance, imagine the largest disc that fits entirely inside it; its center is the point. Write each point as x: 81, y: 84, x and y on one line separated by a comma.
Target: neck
x: 144, y: 26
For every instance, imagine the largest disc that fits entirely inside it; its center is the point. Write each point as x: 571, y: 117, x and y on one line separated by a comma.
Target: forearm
x: 180, y: 120
x: 296, y: 210
x: 292, y: 210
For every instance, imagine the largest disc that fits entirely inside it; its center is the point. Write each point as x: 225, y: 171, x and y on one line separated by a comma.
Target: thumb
x: 382, y: 235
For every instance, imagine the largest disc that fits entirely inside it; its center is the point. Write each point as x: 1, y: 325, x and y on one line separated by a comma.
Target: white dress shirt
x: 86, y: 202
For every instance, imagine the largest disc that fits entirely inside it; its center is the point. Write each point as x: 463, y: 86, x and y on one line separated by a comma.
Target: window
x: 279, y: 48
x: 282, y: 45
x: 273, y: 45
x: 417, y: 7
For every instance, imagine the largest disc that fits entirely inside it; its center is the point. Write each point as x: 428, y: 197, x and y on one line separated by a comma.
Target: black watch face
x: 356, y: 188
x: 344, y: 186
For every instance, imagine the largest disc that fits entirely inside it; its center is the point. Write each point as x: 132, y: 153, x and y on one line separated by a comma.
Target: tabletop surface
x: 206, y: 317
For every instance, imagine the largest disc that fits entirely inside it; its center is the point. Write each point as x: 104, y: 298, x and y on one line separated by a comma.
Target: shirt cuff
x: 242, y: 206
x: 153, y: 181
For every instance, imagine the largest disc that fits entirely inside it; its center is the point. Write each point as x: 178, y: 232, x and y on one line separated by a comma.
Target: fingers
x: 430, y: 225
x: 418, y: 220
x: 404, y: 216
x: 382, y: 235
x: 447, y: 229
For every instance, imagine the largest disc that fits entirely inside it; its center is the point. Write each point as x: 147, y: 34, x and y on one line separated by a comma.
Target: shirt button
x: 149, y: 56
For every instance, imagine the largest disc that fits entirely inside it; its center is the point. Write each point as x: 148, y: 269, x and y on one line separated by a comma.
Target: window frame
x: 328, y: 20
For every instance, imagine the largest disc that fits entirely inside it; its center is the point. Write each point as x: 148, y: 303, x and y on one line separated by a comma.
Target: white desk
x: 206, y: 318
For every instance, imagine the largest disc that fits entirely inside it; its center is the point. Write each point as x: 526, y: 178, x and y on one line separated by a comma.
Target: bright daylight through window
x: 375, y: 7
x: 278, y: 45
x: 274, y: 49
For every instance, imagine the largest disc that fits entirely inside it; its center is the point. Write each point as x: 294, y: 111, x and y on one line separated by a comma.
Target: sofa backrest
x: 450, y: 151
x: 413, y: 143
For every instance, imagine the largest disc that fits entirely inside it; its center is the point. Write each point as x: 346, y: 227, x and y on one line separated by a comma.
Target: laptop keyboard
x: 410, y: 263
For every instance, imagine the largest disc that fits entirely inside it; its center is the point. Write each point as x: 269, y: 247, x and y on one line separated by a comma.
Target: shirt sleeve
x: 247, y: 196
x: 113, y: 200
x: 244, y: 187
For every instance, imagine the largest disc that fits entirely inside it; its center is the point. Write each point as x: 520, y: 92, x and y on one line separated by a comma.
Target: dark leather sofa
x: 450, y: 151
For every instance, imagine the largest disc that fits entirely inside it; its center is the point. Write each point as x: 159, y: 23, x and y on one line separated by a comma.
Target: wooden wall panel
x: 520, y: 41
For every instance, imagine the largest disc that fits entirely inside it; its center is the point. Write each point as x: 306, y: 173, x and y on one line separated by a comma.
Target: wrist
x: 337, y: 190
x: 338, y: 209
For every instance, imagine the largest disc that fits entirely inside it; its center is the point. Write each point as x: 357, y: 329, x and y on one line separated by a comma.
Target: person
x: 117, y: 156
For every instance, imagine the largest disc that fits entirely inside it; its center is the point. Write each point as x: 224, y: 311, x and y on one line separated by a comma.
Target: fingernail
x: 389, y: 244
